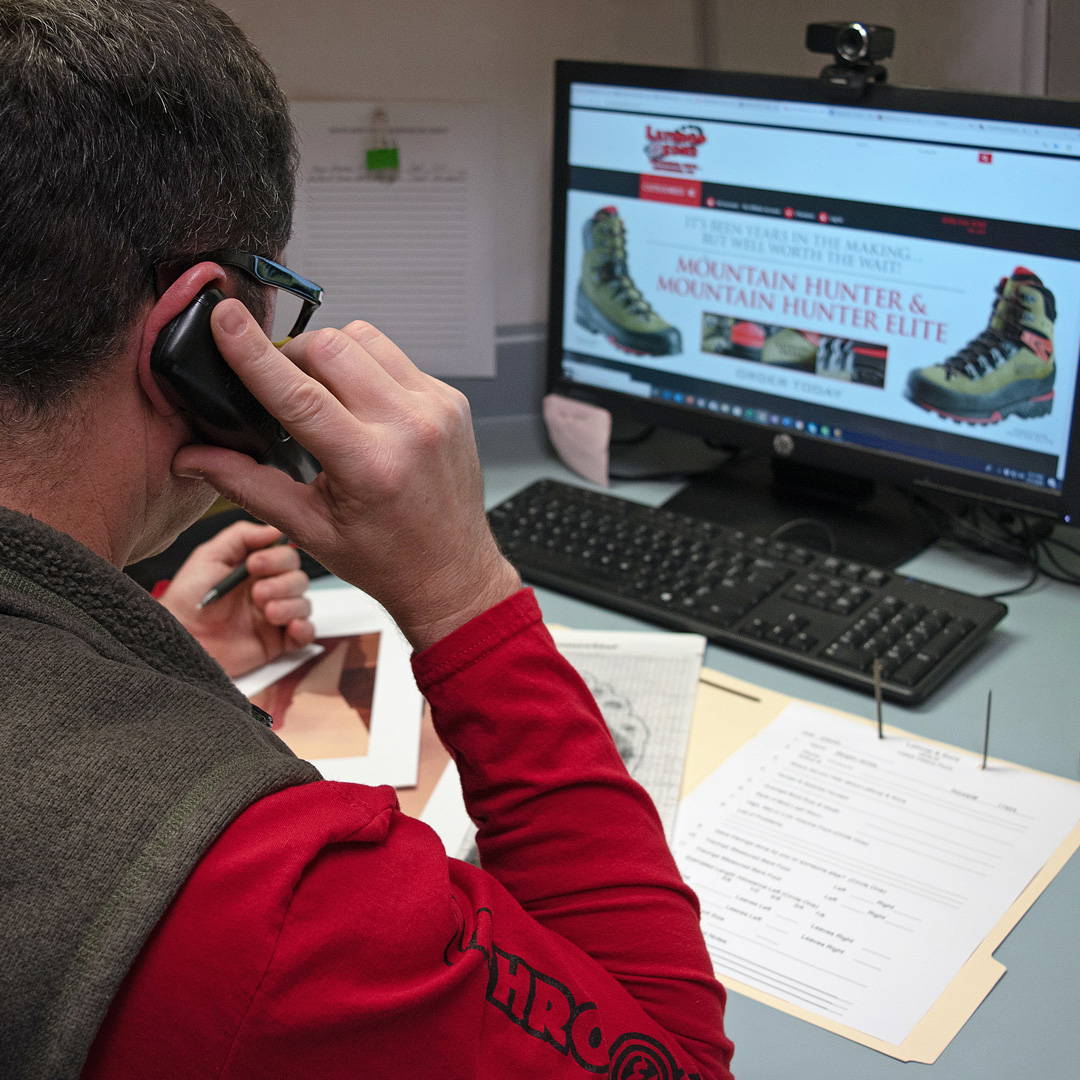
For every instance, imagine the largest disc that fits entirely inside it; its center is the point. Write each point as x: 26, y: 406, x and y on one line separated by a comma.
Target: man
x: 181, y: 896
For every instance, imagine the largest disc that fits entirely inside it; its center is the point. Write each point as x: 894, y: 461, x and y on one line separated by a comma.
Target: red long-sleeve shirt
x: 325, y: 934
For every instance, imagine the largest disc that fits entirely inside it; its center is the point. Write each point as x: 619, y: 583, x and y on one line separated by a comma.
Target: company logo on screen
x: 670, y: 151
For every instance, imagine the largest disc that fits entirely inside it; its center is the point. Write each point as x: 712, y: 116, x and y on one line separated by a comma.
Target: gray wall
x: 997, y: 45
x: 1063, y: 61
x: 498, y: 51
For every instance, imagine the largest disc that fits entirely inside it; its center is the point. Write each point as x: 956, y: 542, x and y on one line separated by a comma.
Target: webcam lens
x: 852, y: 42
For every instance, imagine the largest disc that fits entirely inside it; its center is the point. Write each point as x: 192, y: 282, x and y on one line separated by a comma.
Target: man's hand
x: 262, y: 617
x: 398, y: 510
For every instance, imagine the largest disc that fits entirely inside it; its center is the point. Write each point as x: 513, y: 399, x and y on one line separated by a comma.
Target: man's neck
x: 102, y: 474
x: 84, y: 472
x: 73, y: 504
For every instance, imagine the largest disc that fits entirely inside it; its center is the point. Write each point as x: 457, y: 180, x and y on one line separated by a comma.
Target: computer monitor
x: 885, y: 289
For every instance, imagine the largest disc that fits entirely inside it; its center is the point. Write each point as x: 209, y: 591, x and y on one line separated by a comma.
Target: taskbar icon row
x: 1024, y: 476
x: 750, y: 414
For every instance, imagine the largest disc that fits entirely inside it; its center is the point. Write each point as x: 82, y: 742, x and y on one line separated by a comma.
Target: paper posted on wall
x: 394, y: 220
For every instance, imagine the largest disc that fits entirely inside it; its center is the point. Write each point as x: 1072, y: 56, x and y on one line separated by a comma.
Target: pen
x: 233, y: 578
x: 877, y: 698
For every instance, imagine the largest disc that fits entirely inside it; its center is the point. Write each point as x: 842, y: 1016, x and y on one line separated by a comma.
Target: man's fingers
x: 306, y: 409
x: 274, y: 562
x: 341, y: 363
x: 235, y: 543
x: 283, y: 612
x: 298, y: 633
x: 388, y: 355
x: 280, y: 587
x: 263, y: 491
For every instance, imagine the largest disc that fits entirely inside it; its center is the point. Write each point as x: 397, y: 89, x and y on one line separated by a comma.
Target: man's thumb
x: 261, y: 490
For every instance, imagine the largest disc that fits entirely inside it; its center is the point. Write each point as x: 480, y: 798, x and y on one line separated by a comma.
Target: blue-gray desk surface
x: 1029, y: 1025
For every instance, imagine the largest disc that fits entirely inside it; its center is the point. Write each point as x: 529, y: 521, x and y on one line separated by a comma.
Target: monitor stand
x: 872, y: 523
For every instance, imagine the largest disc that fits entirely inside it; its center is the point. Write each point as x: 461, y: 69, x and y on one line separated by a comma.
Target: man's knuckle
x: 456, y: 400
x: 362, y: 331
x: 302, y: 403
x: 207, y: 547
x: 328, y: 343
x: 453, y: 408
x: 274, y: 611
x: 429, y: 430
x: 265, y: 563
x: 262, y: 592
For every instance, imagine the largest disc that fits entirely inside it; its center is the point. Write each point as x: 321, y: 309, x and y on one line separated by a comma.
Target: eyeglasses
x: 280, y: 277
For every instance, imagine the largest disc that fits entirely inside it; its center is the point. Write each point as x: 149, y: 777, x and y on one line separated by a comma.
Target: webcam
x: 856, y: 47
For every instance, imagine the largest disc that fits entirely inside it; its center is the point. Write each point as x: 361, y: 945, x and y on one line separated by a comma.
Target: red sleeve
x: 561, y: 824
x: 327, y: 935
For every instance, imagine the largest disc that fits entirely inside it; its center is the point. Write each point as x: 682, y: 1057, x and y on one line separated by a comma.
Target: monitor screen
x: 889, y: 286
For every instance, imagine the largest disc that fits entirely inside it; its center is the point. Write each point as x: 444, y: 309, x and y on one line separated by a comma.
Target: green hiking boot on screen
x: 608, y: 302
x: 1008, y: 370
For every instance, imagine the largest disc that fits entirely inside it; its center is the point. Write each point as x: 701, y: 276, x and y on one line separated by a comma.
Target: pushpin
x: 877, y: 697
x: 381, y: 157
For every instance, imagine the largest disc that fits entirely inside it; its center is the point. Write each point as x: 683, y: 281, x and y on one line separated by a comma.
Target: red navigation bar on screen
x: 671, y: 189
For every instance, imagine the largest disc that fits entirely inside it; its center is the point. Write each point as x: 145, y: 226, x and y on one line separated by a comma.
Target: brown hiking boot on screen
x: 608, y: 302
x: 1008, y: 370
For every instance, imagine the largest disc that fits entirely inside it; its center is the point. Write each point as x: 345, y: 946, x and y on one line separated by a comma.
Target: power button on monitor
x: 783, y: 445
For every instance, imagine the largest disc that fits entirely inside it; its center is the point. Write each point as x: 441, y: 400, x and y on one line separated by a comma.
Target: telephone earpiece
x: 194, y: 377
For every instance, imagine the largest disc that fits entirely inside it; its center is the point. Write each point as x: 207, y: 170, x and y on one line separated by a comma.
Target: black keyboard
x: 781, y: 601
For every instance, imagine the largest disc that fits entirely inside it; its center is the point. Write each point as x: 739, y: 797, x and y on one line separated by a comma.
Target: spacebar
x: 569, y: 569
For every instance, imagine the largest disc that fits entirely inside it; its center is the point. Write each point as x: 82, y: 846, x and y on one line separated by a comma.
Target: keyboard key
x: 849, y: 656
x: 725, y: 615
x: 947, y: 639
x: 910, y: 672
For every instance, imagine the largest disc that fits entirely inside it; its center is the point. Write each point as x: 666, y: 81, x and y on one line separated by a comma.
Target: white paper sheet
x: 852, y: 875
x: 415, y: 255
x: 645, y: 685
x: 255, y: 681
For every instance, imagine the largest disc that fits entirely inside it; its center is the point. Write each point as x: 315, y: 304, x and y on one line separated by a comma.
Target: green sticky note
x: 385, y: 157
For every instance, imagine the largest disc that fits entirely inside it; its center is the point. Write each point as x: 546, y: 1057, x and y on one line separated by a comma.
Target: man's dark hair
x: 133, y: 134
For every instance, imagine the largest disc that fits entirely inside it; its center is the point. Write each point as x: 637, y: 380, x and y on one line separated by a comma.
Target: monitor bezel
x: 886, y: 466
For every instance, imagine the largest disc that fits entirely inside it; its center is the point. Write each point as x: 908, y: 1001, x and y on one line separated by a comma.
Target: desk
x: 1029, y: 1025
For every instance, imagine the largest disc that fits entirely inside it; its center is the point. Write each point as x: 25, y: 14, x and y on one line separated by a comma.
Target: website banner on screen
x: 874, y: 277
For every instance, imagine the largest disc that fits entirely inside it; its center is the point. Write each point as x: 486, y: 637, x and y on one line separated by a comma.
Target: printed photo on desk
x: 349, y: 704
x: 323, y: 708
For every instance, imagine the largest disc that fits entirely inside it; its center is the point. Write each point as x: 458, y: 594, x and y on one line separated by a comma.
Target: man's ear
x: 171, y: 303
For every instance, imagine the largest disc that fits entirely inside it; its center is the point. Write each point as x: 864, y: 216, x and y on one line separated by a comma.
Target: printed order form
x: 853, y: 876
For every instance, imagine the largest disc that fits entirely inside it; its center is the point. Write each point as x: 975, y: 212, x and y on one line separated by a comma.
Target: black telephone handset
x: 195, y: 378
